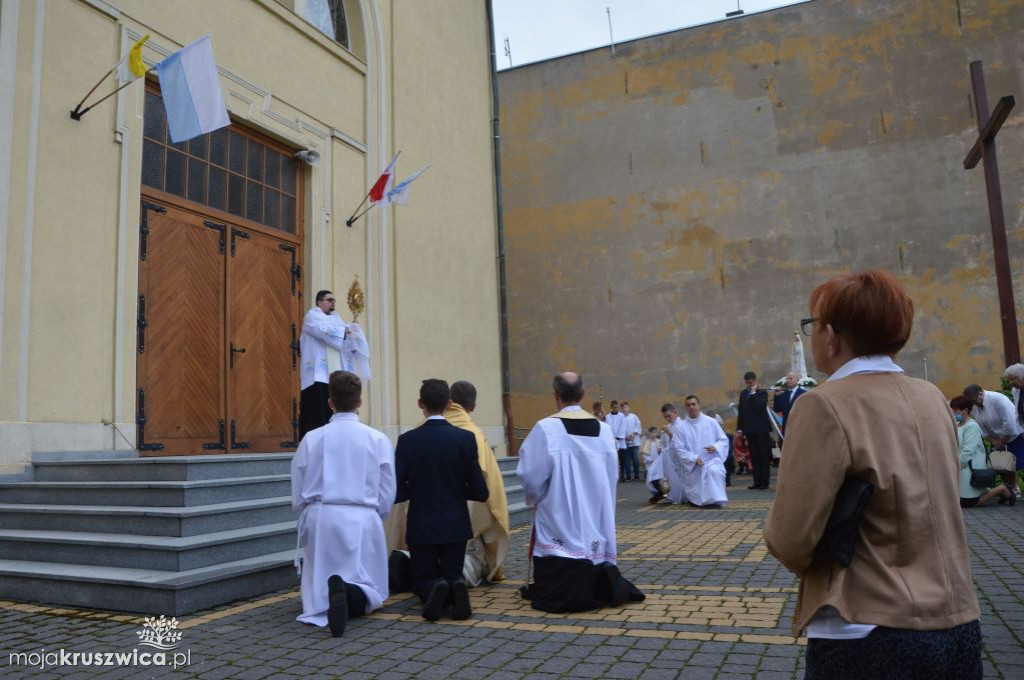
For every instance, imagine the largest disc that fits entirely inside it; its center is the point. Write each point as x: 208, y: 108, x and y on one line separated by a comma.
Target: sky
x: 542, y: 29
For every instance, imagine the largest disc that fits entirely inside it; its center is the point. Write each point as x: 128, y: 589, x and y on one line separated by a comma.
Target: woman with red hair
x: 905, y: 606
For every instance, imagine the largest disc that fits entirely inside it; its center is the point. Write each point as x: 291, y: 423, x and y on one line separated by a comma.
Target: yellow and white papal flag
x: 131, y: 65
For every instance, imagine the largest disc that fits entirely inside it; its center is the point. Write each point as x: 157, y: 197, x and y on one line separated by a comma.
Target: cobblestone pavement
x: 718, y: 606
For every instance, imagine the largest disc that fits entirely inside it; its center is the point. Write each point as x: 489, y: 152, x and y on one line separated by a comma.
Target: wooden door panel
x: 181, y: 362
x: 262, y: 313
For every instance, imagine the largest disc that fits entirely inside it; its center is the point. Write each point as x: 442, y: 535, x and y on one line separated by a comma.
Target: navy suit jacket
x: 783, y: 404
x: 437, y: 470
x: 753, y: 412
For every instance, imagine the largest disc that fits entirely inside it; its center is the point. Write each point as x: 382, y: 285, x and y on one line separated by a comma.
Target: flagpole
x: 75, y: 114
x: 351, y: 220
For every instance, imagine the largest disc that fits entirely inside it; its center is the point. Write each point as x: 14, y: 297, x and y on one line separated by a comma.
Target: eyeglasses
x: 805, y: 325
x: 330, y: 299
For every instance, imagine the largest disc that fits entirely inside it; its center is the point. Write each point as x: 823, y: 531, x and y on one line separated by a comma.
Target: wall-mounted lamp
x: 310, y: 156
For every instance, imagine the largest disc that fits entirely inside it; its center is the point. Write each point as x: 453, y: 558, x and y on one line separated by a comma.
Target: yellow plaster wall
x: 288, y: 81
x: 444, y: 241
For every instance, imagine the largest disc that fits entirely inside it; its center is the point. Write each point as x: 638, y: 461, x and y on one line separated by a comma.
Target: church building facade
x: 152, y: 293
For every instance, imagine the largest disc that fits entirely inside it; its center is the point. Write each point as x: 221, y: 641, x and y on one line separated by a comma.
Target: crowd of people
x: 877, y: 469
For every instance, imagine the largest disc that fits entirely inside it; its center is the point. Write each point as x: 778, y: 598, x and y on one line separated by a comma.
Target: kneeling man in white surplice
x: 343, y: 484
x: 696, y: 452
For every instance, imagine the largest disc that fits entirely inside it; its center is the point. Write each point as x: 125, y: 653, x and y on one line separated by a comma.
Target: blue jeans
x: 632, y: 461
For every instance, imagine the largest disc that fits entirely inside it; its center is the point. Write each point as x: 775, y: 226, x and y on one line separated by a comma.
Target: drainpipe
x: 506, y: 381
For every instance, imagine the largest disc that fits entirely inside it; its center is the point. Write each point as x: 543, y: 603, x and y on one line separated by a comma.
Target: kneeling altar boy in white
x: 569, y: 469
x: 343, y: 484
x: 697, y: 452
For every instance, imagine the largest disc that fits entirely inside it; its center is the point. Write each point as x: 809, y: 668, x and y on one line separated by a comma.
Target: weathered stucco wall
x: 669, y: 210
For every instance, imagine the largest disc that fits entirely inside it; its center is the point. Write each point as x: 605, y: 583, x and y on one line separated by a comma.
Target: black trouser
x: 951, y: 654
x: 760, y: 457
x: 433, y: 562
x: 314, y: 411
x: 622, y: 463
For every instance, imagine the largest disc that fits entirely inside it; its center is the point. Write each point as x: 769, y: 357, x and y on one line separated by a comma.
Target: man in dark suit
x: 785, y: 399
x: 754, y: 424
x: 437, y: 470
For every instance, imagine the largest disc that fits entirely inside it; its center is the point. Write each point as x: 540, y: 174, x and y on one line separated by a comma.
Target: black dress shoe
x: 461, y: 609
x: 337, y: 605
x: 754, y: 487
x: 435, y: 601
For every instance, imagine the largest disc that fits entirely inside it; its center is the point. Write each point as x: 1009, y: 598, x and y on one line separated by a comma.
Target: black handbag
x: 984, y: 478
x: 840, y: 537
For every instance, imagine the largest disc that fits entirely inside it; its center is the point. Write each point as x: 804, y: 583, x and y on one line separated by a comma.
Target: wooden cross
x: 984, y: 149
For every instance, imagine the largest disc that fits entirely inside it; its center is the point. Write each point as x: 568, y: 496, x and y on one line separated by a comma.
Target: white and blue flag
x: 191, y: 91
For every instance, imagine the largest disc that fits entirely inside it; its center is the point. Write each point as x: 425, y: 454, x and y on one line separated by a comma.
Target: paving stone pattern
x: 718, y: 606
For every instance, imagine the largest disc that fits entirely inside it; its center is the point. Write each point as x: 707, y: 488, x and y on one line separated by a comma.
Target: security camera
x: 310, y: 156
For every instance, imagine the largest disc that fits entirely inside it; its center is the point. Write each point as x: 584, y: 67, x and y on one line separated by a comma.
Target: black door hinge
x: 140, y: 424
x: 240, y: 234
x: 295, y: 349
x: 295, y: 269
x: 219, y: 445
x: 144, y: 227
x: 219, y: 227
x: 237, y: 444
x: 141, y: 324
x: 295, y: 427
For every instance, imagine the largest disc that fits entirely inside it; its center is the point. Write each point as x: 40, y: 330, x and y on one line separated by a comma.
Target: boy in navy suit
x: 437, y: 471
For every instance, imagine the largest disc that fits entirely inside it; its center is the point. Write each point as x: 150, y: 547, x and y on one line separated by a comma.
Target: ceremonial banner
x: 191, y: 91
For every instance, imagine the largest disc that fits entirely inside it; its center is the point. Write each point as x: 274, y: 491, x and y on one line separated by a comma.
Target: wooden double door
x: 217, y: 335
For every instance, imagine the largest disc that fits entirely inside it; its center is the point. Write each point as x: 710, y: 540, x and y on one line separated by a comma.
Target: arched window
x: 329, y: 17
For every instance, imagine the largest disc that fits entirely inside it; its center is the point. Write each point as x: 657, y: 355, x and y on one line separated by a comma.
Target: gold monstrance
x: 356, y: 301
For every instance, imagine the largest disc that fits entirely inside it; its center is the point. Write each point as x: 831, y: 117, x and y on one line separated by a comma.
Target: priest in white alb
x: 568, y: 467
x: 326, y: 344
x: 697, y: 452
x: 343, y: 486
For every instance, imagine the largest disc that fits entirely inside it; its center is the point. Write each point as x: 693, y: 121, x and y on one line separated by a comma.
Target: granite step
x: 146, y: 591
x: 178, y: 468
x: 162, y: 553
x: 162, y: 494
x: 147, y: 520
x: 519, y: 514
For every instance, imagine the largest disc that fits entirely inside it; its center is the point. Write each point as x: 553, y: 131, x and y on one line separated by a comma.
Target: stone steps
x: 518, y: 511
x: 160, y: 553
x: 149, y: 493
x: 152, y: 535
x: 176, y: 469
x: 148, y: 520
x: 146, y: 591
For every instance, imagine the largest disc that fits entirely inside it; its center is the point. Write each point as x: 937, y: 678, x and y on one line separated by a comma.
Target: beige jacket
x: 910, y: 569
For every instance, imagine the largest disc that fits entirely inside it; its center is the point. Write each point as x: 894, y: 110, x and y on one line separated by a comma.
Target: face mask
x: 959, y: 417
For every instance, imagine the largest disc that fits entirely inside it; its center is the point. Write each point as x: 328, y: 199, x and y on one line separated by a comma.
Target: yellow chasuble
x: 490, y: 520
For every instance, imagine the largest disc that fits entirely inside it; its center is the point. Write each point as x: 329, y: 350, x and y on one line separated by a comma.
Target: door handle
x: 239, y: 350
